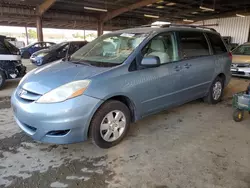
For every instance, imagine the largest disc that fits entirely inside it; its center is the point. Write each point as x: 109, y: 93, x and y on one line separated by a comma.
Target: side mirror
x: 151, y: 61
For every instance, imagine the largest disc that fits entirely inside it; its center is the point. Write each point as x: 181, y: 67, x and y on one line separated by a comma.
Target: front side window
x: 193, y: 44
x: 217, y: 44
x: 112, y: 48
x: 242, y: 50
x: 162, y: 46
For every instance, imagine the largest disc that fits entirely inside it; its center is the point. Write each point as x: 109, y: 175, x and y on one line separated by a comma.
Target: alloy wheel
x: 113, y: 126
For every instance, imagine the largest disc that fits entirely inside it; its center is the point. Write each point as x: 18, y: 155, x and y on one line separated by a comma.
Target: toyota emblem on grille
x: 22, y: 92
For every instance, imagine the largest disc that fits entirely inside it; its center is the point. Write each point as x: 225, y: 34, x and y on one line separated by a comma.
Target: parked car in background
x: 120, y: 78
x: 27, y: 51
x: 241, y: 61
x: 10, y: 62
x: 56, y: 52
x: 15, y: 42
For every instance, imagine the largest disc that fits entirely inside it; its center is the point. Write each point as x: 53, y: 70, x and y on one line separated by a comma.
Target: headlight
x: 65, y: 92
x: 42, y: 54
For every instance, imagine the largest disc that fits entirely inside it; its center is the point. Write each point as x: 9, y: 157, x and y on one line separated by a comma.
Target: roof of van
x: 168, y: 27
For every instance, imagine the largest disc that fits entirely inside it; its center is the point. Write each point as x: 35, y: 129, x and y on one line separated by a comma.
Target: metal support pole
x: 27, y: 36
x: 39, y: 29
x: 100, y: 28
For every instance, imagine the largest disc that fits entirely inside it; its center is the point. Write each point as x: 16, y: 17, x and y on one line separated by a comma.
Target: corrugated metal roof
x: 236, y: 27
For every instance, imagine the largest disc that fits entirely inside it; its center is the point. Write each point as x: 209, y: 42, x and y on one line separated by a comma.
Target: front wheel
x: 110, y: 124
x: 215, y: 92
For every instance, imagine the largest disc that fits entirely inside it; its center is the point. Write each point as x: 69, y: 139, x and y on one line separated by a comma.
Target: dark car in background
x: 27, y: 51
x: 10, y: 61
x: 56, y: 52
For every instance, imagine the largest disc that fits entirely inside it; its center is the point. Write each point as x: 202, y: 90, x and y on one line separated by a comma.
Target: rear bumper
x: 242, y: 72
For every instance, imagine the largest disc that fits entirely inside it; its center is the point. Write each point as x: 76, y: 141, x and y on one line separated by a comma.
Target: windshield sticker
x: 129, y: 35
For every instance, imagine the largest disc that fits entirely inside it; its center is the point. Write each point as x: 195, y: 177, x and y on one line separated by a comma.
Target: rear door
x: 221, y: 55
x: 198, y: 63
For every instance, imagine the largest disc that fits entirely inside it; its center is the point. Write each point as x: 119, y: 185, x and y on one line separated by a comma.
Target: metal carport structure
x: 113, y: 14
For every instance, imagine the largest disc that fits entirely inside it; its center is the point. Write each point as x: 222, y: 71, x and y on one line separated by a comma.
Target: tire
x: 26, y: 55
x: 101, y: 121
x: 238, y: 115
x: 2, y: 79
x: 211, y: 97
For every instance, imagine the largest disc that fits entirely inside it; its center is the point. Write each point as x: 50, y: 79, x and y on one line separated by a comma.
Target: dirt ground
x: 195, y: 145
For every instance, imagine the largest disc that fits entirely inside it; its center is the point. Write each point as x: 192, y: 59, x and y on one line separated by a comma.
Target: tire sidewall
x: 98, y: 118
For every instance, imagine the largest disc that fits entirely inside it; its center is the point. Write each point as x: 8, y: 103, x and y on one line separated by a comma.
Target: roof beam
x: 131, y: 7
x: 41, y: 9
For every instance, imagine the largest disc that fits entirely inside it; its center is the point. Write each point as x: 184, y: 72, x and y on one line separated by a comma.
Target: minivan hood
x: 51, y: 76
x: 241, y: 59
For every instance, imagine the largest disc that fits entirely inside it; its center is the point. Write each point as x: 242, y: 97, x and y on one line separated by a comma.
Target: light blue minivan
x: 120, y: 78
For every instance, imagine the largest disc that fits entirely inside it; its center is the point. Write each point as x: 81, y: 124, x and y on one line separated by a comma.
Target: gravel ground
x: 195, y: 145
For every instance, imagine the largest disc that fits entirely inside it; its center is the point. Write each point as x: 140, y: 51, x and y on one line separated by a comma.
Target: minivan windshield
x: 242, y: 50
x: 112, y: 48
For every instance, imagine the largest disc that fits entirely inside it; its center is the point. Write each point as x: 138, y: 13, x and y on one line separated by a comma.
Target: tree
x: 32, y: 34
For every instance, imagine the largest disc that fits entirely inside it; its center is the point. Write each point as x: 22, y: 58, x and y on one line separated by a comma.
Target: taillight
x: 230, y: 56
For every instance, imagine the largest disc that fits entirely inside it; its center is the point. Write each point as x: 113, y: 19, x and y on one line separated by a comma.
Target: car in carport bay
x: 27, y: 51
x: 241, y: 61
x: 120, y: 78
x: 56, y: 52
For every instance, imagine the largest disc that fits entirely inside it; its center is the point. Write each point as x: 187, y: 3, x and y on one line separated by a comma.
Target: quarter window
x: 193, y: 44
x: 217, y: 44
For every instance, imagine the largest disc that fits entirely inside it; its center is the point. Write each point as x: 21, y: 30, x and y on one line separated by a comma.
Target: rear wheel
x: 110, y: 124
x: 2, y: 79
x: 215, y: 92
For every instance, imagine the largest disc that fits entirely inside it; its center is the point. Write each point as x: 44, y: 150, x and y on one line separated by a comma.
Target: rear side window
x: 193, y: 44
x: 217, y: 44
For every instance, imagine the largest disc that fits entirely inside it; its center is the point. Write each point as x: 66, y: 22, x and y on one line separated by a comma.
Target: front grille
x: 58, y: 133
x: 28, y: 95
x: 239, y: 72
x: 31, y: 128
x: 235, y: 65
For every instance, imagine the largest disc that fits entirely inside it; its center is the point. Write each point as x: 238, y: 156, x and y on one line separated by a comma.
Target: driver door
x: 160, y: 87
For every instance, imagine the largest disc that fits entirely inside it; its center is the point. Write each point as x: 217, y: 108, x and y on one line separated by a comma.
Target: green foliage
x: 32, y: 34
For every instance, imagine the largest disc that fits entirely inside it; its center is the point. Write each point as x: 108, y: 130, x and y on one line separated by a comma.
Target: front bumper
x: 36, y: 61
x: 59, y: 123
x: 241, y: 71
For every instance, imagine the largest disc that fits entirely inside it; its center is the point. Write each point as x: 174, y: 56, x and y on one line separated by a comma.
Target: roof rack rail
x: 179, y: 25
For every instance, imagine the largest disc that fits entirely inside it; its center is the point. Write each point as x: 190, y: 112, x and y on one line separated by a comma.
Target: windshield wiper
x: 80, y: 63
